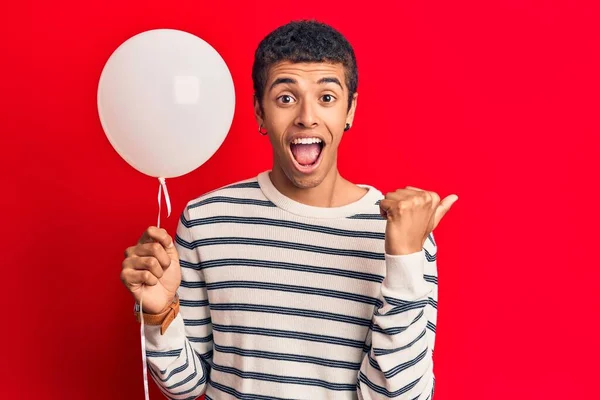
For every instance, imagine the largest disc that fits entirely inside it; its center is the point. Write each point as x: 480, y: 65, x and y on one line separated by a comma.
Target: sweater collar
x: 364, y: 204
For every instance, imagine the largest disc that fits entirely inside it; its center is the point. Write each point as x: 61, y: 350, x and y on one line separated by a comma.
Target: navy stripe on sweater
x: 244, y: 185
x: 280, y: 244
x: 244, y: 262
x: 383, y: 352
x: 383, y: 391
x: 228, y: 200
x: 170, y: 353
x: 400, y: 308
x: 285, y: 379
x: 192, y: 284
x: 193, y: 303
x: 196, y: 322
x: 311, y: 337
x: 397, y: 329
x: 288, y: 357
x: 366, y: 216
x: 398, y: 368
x: 291, y: 311
x: 283, y: 224
x: 293, y: 289
x: 184, y: 381
x: 174, y: 371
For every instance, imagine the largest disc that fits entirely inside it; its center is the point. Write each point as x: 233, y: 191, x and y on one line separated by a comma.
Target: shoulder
x: 244, y: 191
x: 369, y: 203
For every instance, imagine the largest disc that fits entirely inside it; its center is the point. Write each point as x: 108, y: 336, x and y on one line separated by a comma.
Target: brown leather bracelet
x: 163, y: 318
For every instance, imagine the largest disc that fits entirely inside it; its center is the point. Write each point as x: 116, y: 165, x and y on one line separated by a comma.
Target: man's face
x: 305, y: 110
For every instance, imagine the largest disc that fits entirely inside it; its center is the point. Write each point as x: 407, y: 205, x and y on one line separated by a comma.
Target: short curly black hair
x: 304, y: 41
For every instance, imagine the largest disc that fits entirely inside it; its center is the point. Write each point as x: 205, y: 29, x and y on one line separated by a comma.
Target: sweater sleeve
x: 180, y: 360
x: 399, y: 362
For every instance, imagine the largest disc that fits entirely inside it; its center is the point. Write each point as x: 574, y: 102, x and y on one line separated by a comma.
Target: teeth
x: 306, y: 141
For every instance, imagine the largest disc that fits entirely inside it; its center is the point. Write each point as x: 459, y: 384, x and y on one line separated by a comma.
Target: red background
x: 495, y: 102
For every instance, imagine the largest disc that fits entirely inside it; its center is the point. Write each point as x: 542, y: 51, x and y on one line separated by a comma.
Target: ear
x: 350, y: 116
x: 258, y: 112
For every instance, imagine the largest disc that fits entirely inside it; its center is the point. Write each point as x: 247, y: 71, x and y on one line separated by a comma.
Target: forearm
x: 173, y: 363
x: 399, y: 363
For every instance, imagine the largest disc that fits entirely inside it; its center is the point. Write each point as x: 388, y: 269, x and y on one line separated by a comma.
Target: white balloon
x: 166, y: 101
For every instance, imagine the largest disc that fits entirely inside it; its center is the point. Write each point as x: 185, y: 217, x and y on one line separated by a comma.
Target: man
x: 295, y: 284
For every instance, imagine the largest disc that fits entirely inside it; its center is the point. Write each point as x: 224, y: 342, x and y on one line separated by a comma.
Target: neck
x: 333, y: 191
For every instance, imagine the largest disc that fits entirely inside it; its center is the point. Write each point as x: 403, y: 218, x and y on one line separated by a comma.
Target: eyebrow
x: 280, y: 81
x: 330, y: 80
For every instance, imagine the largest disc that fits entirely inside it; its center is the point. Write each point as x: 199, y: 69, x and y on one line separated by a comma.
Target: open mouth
x: 307, y: 152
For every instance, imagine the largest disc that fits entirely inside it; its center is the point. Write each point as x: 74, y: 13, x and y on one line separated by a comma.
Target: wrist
x: 154, y: 311
x: 402, y: 250
x: 403, y: 246
x: 162, y: 318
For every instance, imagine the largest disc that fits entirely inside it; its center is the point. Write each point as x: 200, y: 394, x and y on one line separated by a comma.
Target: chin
x: 303, y: 180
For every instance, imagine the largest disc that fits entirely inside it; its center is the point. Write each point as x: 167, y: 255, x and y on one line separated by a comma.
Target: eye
x: 327, y: 98
x: 286, y: 99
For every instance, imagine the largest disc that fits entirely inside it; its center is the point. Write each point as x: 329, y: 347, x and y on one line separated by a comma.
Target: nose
x: 307, y: 117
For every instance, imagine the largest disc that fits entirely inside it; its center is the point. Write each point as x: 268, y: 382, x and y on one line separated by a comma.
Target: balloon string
x: 163, y: 187
x: 143, y: 334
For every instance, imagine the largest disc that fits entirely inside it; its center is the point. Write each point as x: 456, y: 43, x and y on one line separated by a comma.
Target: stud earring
x: 347, y: 128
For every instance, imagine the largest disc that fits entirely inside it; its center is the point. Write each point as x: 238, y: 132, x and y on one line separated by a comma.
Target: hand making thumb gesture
x: 412, y: 214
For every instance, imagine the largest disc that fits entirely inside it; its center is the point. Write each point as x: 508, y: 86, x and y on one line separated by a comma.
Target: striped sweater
x: 281, y: 300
